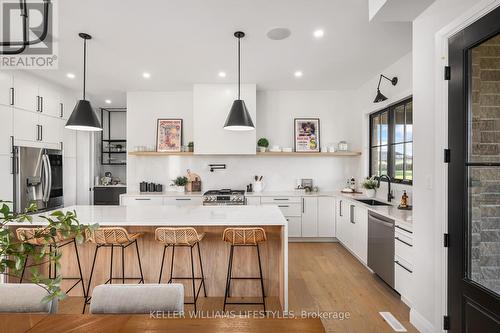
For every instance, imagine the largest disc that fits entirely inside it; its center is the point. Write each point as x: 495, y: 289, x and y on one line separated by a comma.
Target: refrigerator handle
x: 45, y: 178
x: 49, y: 173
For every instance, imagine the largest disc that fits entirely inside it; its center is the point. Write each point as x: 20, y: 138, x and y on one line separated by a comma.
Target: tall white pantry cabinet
x: 33, y: 113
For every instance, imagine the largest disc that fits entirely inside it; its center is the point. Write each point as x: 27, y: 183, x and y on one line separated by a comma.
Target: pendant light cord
x: 239, y: 66
x: 84, y: 65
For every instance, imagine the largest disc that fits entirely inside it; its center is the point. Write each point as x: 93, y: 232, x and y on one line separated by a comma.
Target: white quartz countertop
x: 111, y: 186
x: 174, y: 216
x: 162, y: 194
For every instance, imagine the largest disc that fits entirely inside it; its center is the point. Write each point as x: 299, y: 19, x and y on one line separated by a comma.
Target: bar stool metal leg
x: 228, y: 277
x: 90, y: 279
x: 195, y: 296
x: 24, y: 269
x: 123, y: 265
x: 261, y: 279
x: 201, y: 268
x: 172, y: 265
x: 111, y: 267
x: 162, y: 261
x: 139, y: 260
x: 79, y: 266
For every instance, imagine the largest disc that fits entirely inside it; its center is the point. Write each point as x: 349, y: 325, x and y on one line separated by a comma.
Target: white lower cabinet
x: 183, y: 201
x: 403, y: 263
x: 341, y: 220
x: 253, y: 201
x: 294, y: 226
x: 291, y: 207
x: 352, y: 228
x: 310, y: 217
x: 326, y: 216
x: 141, y: 201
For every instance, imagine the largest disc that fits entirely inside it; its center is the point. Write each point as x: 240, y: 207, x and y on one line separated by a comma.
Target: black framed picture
x: 306, y: 132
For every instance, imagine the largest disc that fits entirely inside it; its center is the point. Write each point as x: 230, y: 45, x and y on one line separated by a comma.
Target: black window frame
x: 390, y: 110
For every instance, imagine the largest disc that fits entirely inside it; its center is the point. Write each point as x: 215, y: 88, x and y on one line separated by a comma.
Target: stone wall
x: 485, y: 181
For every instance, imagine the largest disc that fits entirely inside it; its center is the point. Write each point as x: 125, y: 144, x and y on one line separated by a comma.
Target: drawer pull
x: 183, y: 199
x: 142, y: 199
x: 402, y: 241
x: 408, y: 231
x: 281, y: 199
x: 403, y: 267
x: 283, y: 206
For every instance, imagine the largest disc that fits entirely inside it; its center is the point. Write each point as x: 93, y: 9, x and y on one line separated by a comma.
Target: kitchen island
x: 211, y: 220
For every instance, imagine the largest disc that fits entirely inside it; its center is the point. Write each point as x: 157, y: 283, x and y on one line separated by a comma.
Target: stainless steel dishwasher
x: 381, y: 247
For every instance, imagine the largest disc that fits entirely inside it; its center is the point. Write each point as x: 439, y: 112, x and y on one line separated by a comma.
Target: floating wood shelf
x: 292, y: 154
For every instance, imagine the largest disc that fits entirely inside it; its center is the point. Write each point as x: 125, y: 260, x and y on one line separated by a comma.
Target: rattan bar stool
x: 113, y: 237
x: 182, y: 237
x: 243, y: 237
x: 35, y: 237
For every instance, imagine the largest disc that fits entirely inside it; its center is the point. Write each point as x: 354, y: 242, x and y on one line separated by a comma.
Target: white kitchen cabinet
x: 326, y: 217
x: 26, y: 125
x: 69, y: 180
x: 309, y: 217
x: 6, y: 130
x: 50, y: 99
x: 359, y: 232
x: 183, y: 201
x: 69, y: 140
x: 403, y: 278
x: 26, y: 95
x: 294, y: 226
x: 342, y: 213
x: 51, y: 129
x: 6, y: 177
x: 141, y: 201
x: 5, y: 89
x: 211, y: 106
x: 253, y: 201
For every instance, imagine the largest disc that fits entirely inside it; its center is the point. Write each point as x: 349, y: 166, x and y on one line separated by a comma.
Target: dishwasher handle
x: 372, y: 218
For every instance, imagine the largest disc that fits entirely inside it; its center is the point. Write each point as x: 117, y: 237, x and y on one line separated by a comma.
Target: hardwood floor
x: 323, y: 277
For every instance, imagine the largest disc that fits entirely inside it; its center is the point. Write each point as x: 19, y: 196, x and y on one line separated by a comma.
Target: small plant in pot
x: 180, y: 183
x: 370, y: 186
x: 191, y: 146
x: 263, y: 143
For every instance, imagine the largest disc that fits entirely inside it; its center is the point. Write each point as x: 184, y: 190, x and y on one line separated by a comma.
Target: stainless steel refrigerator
x: 38, y: 178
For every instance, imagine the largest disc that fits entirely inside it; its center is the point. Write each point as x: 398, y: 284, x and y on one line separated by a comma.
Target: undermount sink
x: 372, y: 202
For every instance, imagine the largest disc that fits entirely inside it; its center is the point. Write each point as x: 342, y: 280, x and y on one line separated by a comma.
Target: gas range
x: 224, y: 197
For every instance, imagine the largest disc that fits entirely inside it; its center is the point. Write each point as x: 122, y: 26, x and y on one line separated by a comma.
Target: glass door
x: 474, y: 178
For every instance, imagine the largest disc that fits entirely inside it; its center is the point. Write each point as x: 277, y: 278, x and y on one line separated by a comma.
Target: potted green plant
x: 180, y: 183
x: 263, y: 143
x: 191, y: 146
x: 14, y: 253
x: 370, y: 186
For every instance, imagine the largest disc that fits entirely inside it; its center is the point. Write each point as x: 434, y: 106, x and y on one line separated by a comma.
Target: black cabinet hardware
x: 142, y: 199
x: 403, y: 267
x: 351, y: 213
x: 41, y: 132
x: 183, y: 199
x: 12, y: 99
x: 281, y: 199
x: 283, y: 206
x: 402, y: 241
x: 447, y: 73
x: 340, y: 207
x: 303, y: 206
x: 447, y: 156
x: 408, y: 231
x: 61, y: 106
x: 446, y: 240
x: 41, y: 104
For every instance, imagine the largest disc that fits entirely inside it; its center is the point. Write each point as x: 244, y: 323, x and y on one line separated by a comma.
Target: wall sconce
x: 380, y: 97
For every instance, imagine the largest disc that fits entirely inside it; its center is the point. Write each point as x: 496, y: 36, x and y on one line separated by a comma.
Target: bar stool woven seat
x: 109, y: 236
x: 37, y: 238
x: 244, y: 236
x: 178, y: 236
x: 187, y: 238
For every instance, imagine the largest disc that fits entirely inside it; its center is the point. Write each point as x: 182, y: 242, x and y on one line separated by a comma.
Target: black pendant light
x: 380, y: 97
x: 83, y: 117
x: 239, y: 119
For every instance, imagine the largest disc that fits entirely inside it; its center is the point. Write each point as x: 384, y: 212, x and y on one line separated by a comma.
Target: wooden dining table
x: 17, y: 323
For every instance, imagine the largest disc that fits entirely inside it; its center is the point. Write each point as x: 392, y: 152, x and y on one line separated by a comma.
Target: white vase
x: 262, y: 149
x: 180, y: 188
x: 370, y: 193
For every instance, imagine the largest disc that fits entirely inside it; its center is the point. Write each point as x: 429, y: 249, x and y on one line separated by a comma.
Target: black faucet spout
x: 389, y: 181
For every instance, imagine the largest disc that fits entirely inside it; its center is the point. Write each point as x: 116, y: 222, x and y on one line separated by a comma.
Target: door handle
x: 62, y: 109
x: 402, y: 241
x: 41, y: 104
x: 41, y: 132
x: 37, y: 132
x: 303, y: 206
x: 37, y: 103
x: 340, y: 207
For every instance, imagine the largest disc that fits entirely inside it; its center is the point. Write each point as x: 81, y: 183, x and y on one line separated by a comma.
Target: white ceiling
x: 181, y: 42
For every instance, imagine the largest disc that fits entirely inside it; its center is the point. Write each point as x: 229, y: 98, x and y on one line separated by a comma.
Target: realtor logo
x: 28, y: 32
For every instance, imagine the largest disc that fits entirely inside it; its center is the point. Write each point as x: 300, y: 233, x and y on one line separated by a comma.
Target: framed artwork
x: 306, y: 135
x: 169, y: 135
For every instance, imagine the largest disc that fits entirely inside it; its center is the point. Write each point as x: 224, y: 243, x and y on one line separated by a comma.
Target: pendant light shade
x: 380, y: 97
x: 239, y: 118
x: 83, y: 117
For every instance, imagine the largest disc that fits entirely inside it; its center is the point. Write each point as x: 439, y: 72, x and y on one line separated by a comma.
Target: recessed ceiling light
x: 222, y: 74
x: 298, y: 74
x: 108, y: 101
x: 146, y: 75
x: 318, y: 33
x: 70, y: 76
x: 278, y: 33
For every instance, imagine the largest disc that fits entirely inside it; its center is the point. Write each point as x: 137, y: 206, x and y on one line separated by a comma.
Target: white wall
x: 428, y: 298
x: 365, y: 95
x: 275, y: 113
